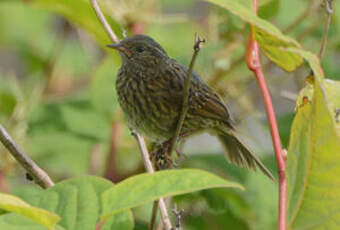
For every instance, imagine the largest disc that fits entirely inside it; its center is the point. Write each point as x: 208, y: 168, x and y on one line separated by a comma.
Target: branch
x: 254, y: 64
x: 149, y: 168
x: 103, y: 21
x: 153, y: 215
x: 186, y: 89
x: 39, y: 175
x: 311, y: 8
x: 329, y: 10
x: 140, y: 140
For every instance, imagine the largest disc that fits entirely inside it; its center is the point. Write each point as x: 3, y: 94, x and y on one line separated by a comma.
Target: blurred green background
x: 57, y: 96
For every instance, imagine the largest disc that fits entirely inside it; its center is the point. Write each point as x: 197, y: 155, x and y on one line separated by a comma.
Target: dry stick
x: 329, y: 10
x: 186, y: 89
x: 102, y: 19
x: 311, y: 8
x: 254, y: 64
x: 39, y: 175
x: 141, y: 142
x: 153, y: 215
x: 149, y: 168
x: 184, y: 110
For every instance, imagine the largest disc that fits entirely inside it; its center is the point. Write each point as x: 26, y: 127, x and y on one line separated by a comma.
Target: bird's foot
x: 161, y: 157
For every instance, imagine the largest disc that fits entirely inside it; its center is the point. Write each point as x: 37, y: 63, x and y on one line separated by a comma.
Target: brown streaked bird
x: 150, y: 92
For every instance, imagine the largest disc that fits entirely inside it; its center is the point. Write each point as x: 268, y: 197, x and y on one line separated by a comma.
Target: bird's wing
x: 203, y: 101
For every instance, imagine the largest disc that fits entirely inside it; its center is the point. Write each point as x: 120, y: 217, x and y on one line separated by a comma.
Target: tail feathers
x: 237, y: 152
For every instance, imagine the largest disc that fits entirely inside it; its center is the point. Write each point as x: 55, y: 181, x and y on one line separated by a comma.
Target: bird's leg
x: 161, y: 156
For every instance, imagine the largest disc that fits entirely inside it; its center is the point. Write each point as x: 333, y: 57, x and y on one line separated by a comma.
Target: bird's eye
x: 140, y: 49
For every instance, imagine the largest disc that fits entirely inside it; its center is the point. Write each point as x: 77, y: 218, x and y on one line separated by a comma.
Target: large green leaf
x: 77, y: 201
x: 14, y: 204
x: 270, y: 38
x: 147, y: 187
x: 14, y: 221
x: 330, y: 87
x: 81, y: 13
x: 313, y: 165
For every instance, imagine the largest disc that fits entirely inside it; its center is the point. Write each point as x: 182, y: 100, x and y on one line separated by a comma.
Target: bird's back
x: 152, y: 104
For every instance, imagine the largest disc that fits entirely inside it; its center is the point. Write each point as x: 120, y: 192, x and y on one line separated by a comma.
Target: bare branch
x: 179, y: 215
x: 39, y: 175
x: 149, y: 169
x: 310, y: 9
x: 102, y: 19
x: 153, y: 215
x: 140, y: 139
x: 197, y: 47
x: 329, y: 10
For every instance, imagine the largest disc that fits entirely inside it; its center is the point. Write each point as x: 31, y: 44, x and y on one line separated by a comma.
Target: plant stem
x: 140, y: 139
x: 39, y: 175
x: 103, y: 21
x: 254, y: 64
x: 310, y: 8
x: 149, y: 168
x: 329, y: 10
x: 186, y: 90
x: 153, y: 215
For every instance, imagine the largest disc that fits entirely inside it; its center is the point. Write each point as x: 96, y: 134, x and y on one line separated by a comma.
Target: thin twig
x: 39, y: 175
x: 186, y: 90
x: 140, y: 139
x: 329, y: 10
x: 310, y: 8
x: 149, y: 169
x: 102, y: 19
x: 254, y: 64
x: 178, y: 215
x: 153, y: 215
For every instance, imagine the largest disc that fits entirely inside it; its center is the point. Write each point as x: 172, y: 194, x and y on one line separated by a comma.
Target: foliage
x: 57, y: 100
x: 83, y: 202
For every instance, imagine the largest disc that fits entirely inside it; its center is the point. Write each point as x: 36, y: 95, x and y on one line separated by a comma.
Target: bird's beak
x: 118, y: 46
x: 115, y: 45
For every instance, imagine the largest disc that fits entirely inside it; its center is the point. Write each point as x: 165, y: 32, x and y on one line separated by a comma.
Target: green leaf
x: 331, y: 87
x: 270, y: 38
x: 269, y: 9
x: 77, y: 201
x: 14, y: 221
x: 312, y: 60
x: 81, y: 13
x: 13, y: 204
x: 148, y: 187
x: 313, y: 164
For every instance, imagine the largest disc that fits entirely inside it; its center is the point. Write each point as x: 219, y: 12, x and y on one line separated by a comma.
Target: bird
x: 149, y: 85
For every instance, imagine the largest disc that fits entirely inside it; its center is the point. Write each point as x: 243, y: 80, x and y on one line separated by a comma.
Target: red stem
x: 254, y: 64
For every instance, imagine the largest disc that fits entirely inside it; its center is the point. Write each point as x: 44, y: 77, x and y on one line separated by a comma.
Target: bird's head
x: 141, y: 50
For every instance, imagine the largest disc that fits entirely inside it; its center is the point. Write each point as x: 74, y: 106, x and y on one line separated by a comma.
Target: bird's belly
x: 145, y: 115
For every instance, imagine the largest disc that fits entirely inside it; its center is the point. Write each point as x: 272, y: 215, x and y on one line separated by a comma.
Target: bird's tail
x: 237, y: 152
